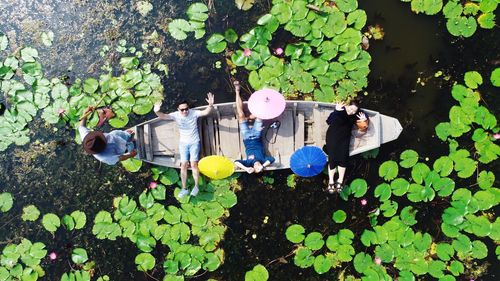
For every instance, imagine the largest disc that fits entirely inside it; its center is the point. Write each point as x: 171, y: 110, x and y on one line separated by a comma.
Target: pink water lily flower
x: 61, y: 111
x: 53, y: 256
x: 278, y: 51
x: 153, y: 185
x: 247, y: 52
x: 497, y: 136
x: 364, y: 202
x: 378, y: 261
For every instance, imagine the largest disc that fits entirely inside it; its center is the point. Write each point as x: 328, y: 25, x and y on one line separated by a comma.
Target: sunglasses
x: 183, y: 109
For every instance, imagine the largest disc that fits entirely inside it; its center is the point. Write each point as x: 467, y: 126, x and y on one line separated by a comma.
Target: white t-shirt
x: 188, y: 126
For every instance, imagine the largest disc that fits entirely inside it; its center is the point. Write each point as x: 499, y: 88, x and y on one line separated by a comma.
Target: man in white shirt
x: 189, y: 142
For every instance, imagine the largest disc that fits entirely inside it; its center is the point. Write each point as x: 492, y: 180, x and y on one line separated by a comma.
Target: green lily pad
x: 314, y: 241
x: 4, y: 41
x: 388, y: 170
x: 295, y: 233
x: 47, y: 38
x: 29, y: 54
x: 51, y: 222
x: 132, y: 165
x: 80, y: 219
x: 282, y: 12
x: 30, y: 213
x: 216, y: 43
x: 197, y: 12
x: 408, y: 158
x: 323, y: 264
x: 399, y: 186
x: 383, y: 192
x: 178, y: 28
x: 456, y: 268
x: 145, y: 261
x: 303, y: 258
x: 462, y: 26
x: 486, y: 179
x: 408, y: 214
x: 79, y: 256
x: 486, y: 20
x: 339, y: 216
x: 230, y: 35
x: 335, y: 24
x: 258, y: 273
x: 389, y: 208
x: 473, y: 79
x: 358, y: 187
x: 68, y: 222
x: 6, y: 201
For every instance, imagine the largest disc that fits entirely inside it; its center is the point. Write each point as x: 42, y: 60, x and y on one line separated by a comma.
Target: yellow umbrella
x: 216, y: 167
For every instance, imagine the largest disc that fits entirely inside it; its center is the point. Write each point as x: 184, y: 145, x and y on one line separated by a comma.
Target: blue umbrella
x: 308, y: 161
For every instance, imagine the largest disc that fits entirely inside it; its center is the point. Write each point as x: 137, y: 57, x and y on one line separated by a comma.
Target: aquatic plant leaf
x: 388, y: 170
x: 216, y: 43
x: 4, y: 41
x: 314, y: 241
x: 145, y: 244
x: 325, y: 94
x: 399, y: 186
x: 323, y: 264
x: 389, y: 208
x: 171, y: 266
x: 51, y: 222
x: 358, y: 187
x: 486, y: 179
x: 462, y: 26
x: 335, y: 24
x: 6, y: 201
x: 384, y: 252
x: 80, y: 219
x: 270, y: 22
x: 436, y: 268
x: 30, y: 213
x: 408, y: 158
x: 465, y: 167
x: 159, y: 193
x: 173, y: 278
x: 452, y: 9
x: 303, y: 257
x: 226, y: 198
x: 339, y: 216
x: 127, y: 63
x: 488, y: 6
x: 473, y: 79
x: 295, y: 233
x: 29, y: 54
x: 485, y: 199
x: 258, y: 273
x: 444, y: 187
x: 462, y: 244
x: 180, y: 232
x: 444, y: 251
x: 347, y: 6
x: 362, y: 262
x: 419, y: 172
x: 146, y: 200
x: 486, y: 20
x: 230, y: 35
x: 407, y: 215
x: 197, y: 12
x: 282, y: 12
x: 132, y: 165
x: 68, y: 222
x: 383, y: 191
x: 79, y: 256
x: 244, y: 5
x: 212, y: 262
x: 145, y: 261
x: 299, y: 28
x: 172, y: 215
x: 178, y: 28
x: 456, y: 268
x: 443, y: 165
x: 479, y: 250
x: 47, y: 38
x: 357, y: 18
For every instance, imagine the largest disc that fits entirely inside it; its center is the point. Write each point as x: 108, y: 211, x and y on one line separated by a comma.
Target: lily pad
x: 295, y: 233
x: 388, y: 170
x: 197, y: 12
x: 145, y: 261
x: 4, y: 41
x: 314, y: 241
x: 323, y: 264
x: 244, y: 5
x: 216, y: 43
x: 79, y: 255
x: 339, y: 216
x: 178, y: 29
x: 408, y: 158
x: 258, y: 273
x: 30, y: 213
x: 6, y: 201
x: 51, y: 222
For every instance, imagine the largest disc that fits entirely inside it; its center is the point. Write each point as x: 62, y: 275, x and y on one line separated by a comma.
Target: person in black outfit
x: 338, y: 137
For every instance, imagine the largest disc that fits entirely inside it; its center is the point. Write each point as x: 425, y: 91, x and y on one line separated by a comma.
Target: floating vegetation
x: 258, y: 273
x: 397, y: 244
x: 244, y: 5
x: 6, y: 201
x: 135, y: 90
x: 22, y: 261
x: 198, y: 14
x: 462, y: 18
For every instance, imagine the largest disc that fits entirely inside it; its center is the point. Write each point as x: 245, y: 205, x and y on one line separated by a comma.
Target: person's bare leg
x: 341, y: 174
x: 195, y: 171
x: 239, y: 101
x: 184, y: 171
x: 244, y: 168
x: 331, y: 175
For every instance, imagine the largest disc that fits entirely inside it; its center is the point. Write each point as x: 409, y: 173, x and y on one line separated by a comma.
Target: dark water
x: 57, y: 177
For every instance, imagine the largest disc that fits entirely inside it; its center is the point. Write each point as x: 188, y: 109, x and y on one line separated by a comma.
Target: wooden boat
x: 302, y: 123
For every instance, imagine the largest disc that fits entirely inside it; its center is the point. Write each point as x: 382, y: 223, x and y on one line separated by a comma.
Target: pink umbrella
x: 266, y: 104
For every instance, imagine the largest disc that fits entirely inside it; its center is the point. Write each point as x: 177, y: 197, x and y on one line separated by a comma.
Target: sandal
x: 339, y: 187
x: 331, y: 188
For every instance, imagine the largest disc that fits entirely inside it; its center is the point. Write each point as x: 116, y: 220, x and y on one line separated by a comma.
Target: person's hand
x: 133, y: 153
x: 157, y: 106
x: 236, y: 84
x: 361, y: 116
x: 340, y: 105
x: 210, y: 99
x: 89, y: 109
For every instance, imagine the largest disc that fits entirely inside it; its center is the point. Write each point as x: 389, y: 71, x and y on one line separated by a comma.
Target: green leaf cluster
x: 22, y: 261
x: 197, y: 14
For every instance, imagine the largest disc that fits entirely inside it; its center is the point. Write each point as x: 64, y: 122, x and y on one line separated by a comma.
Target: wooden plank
x: 147, y: 142
x: 229, y: 137
x: 283, y: 147
x: 208, y: 136
x: 319, y: 126
x: 299, y: 130
x: 165, y: 138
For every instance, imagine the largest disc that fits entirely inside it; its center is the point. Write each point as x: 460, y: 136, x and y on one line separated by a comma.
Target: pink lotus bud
x: 497, y: 136
x: 247, y: 52
x: 53, y: 256
x: 363, y: 202
x: 378, y: 261
x: 153, y: 185
x: 61, y: 111
x: 278, y: 51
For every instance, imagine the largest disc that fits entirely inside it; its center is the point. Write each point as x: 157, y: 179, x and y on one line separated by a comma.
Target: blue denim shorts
x: 251, y: 133
x: 190, y: 151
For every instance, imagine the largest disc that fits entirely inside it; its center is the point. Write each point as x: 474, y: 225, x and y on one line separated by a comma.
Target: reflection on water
x: 56, y: 176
